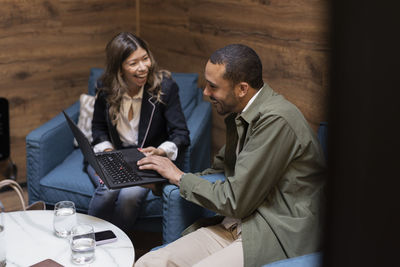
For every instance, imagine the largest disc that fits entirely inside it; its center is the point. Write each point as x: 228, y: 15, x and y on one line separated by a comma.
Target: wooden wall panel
x: 47, y: 49
x: 290, y: 36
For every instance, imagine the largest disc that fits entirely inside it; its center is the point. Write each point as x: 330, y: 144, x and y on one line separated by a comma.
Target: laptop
x: 117, y: 168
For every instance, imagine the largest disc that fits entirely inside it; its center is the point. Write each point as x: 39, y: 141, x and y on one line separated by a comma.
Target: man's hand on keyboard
x: 163, y: 166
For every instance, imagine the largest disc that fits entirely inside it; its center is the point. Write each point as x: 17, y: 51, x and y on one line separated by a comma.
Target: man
x: 273, y: 165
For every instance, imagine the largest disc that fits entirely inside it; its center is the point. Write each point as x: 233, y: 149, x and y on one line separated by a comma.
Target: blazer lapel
x: 145, y: 114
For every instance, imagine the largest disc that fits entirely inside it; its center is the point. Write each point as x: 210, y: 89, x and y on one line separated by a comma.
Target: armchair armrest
x: 179, y: 213
x: 309, y: 260
x: 46, y: 147
x: 198, y: 155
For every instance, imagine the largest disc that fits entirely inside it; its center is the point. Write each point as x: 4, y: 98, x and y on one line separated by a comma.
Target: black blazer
x: 167, y: 124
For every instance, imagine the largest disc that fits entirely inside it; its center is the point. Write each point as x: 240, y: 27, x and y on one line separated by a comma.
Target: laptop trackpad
x: 131, y: 156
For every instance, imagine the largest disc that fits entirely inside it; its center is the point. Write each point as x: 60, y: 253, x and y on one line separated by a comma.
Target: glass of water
x: 82, y: 244
x: 64, y: 218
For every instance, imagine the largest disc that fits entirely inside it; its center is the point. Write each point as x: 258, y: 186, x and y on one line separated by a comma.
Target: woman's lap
x: 119, y: 206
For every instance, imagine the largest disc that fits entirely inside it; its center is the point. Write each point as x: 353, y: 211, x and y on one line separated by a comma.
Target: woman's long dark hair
x: 117, y: 51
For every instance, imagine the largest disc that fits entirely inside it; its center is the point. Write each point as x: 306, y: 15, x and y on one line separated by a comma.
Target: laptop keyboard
x: 117, y: 168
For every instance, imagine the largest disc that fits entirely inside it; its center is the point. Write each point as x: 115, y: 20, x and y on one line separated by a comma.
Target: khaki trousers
x: 206, y: 247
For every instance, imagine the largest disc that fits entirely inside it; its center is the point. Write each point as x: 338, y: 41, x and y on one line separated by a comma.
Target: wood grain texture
x: 290, y: 36
x: 48, y: 48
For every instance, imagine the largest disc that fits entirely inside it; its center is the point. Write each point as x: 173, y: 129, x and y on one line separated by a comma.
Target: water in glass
x: 82, y: 244
x: 82, y: 250
x: 64, y: 218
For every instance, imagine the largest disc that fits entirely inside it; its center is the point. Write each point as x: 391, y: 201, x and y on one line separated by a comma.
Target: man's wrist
x: 180, y: 178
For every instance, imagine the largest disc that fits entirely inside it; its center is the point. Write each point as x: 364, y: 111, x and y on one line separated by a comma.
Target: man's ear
x: 243, y: 88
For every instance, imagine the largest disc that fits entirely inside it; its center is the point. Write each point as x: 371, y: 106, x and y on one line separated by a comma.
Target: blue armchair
x: 55, y: 166
x: 309, y: 260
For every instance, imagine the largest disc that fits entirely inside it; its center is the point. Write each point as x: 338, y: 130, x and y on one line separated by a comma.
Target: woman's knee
x: 132, y: 196
x: 103, y: 202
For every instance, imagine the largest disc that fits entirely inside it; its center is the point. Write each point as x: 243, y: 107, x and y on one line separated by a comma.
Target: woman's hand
x: 153, y: 151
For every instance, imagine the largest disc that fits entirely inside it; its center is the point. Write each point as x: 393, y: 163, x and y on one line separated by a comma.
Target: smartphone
x: 104, y: 237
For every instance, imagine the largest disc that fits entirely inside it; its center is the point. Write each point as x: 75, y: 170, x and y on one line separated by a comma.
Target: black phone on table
x: 104, y: 237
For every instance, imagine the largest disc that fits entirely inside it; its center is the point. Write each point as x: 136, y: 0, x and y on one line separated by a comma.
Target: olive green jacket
x: 274, y: 185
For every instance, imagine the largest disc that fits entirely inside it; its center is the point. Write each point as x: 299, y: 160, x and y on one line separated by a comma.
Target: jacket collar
x: 261, y: 99
x: 146, y: 113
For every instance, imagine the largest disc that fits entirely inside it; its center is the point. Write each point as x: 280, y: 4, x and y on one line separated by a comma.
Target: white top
x: 30, y: 239
x: 129, y: 130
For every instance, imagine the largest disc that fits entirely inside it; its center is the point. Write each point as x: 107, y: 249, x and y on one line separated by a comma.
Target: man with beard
x: 269, y: 205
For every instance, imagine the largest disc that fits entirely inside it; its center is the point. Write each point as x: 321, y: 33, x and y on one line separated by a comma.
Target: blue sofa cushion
x: 188, y: 96
x: 95, y: 74
x: 68, y: 182
x: 309, y: 260
x: 180, y: 213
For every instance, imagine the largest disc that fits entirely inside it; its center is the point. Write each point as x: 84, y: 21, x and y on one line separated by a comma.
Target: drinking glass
x: 82, y: 244
x: 2, y: 238
x: 64, y: 218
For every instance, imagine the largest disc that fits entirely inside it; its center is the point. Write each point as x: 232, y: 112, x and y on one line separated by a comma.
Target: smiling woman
x: 137, y: 105
x: 135, y: 70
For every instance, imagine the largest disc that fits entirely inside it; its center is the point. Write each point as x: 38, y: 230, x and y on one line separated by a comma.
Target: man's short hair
x: 242, y: 64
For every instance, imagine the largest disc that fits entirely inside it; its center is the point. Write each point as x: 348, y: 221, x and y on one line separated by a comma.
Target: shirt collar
x: 251, y: 100
x: 251, y: 108
x: 138, y: 96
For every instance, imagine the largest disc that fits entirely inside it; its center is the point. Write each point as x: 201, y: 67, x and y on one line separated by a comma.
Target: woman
x: 137, y: 105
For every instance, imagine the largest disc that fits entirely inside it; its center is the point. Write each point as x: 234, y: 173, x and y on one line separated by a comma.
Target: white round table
x: 30, y: 239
